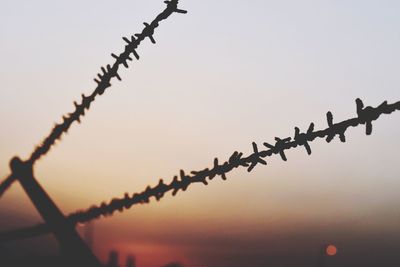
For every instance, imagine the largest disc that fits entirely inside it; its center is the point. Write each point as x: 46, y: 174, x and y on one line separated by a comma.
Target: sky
x: 220, y: 77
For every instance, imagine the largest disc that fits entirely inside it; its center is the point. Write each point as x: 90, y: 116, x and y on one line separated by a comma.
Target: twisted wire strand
x: 103, y: 82
x: 365, y: 116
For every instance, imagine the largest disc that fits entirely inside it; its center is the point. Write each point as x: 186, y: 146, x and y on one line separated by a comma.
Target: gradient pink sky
x: 227, y: 73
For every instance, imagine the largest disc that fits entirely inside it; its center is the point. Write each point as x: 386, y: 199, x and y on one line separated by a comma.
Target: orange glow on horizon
x: 147, y: 254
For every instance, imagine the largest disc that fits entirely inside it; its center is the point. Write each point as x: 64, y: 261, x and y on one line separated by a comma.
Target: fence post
x: 73, y: 248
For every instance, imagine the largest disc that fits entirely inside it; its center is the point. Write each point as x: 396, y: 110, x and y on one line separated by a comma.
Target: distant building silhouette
x: 130, y: 261
x: 173, y: 264
x: 113, y: 259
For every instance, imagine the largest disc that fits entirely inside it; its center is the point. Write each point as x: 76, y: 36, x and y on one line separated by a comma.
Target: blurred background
x: 224, y: 75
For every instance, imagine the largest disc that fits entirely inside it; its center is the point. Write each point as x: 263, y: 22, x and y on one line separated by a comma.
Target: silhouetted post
x: 72, y: 246
x: 130, y: 261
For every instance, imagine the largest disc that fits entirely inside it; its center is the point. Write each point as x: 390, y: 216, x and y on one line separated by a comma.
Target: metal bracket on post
x: 74, y: 249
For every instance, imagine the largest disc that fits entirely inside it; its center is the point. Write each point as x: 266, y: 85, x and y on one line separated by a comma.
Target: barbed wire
x: 103, y: 82
x: 104, y: 78
x: 365, y: 116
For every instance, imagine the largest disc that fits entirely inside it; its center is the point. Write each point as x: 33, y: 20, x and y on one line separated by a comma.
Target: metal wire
x: 103, y: 82
x: 365, y: 116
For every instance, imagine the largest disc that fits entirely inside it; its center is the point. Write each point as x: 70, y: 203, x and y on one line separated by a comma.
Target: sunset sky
x: 220, y: 77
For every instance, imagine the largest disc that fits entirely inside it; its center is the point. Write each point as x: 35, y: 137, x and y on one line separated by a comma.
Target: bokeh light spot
x: 331, y: 250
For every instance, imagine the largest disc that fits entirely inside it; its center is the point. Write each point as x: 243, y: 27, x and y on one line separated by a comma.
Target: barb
x: 365, y: 116
x: 103, y: 82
